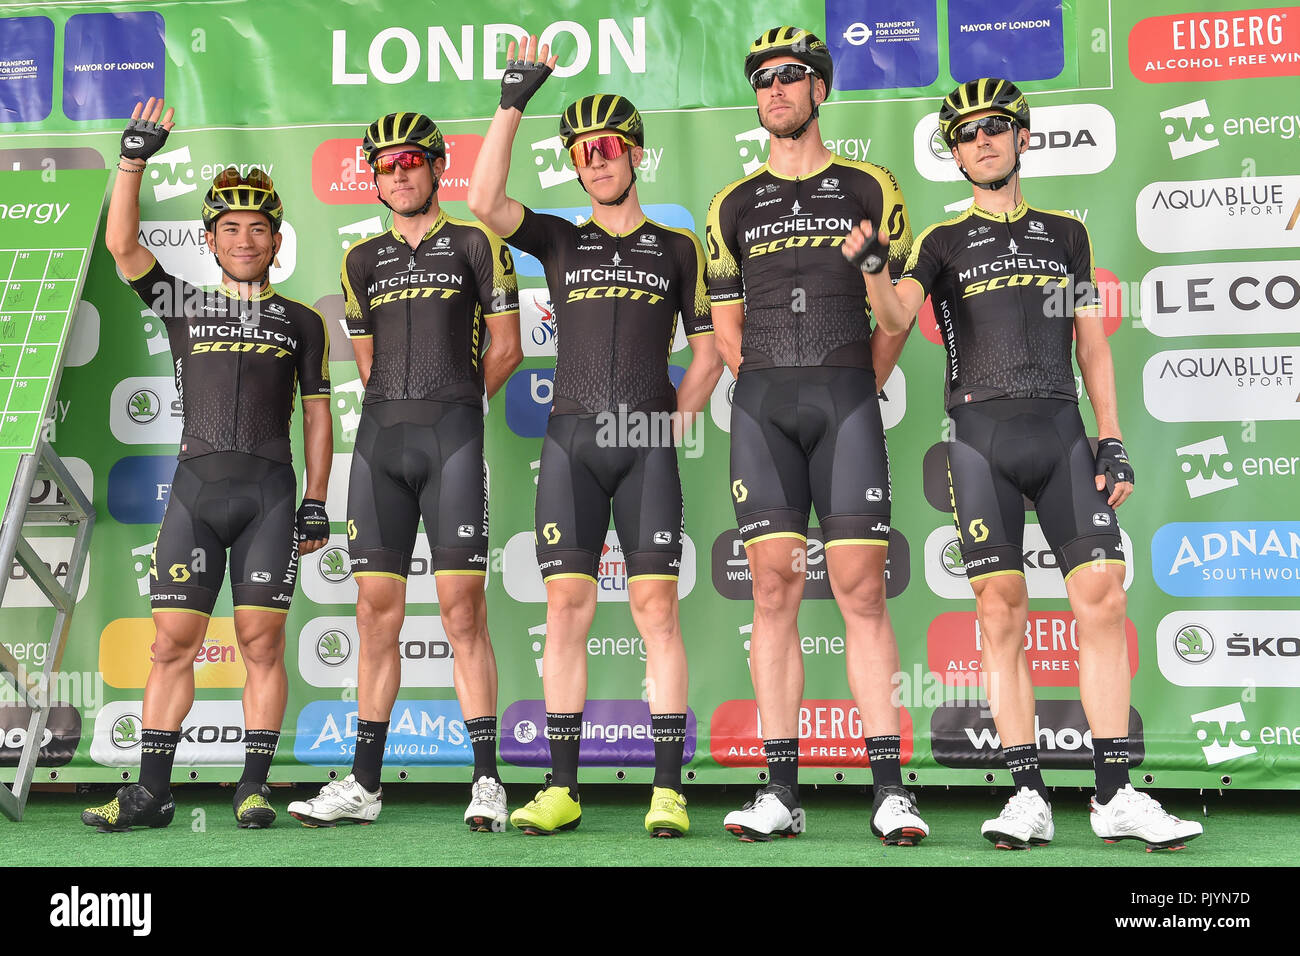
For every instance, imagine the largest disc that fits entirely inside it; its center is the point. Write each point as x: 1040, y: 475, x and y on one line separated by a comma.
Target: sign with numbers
x: 49, y: 220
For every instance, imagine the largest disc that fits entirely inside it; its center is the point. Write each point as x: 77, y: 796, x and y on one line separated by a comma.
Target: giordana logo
x: 1206, y: 463
x: 1188, y: 128
x: 1205, y: 648
x: 125, y: 734
x: 1223, y: 734
x: 1193, y: 47
x: 1219, y: 558
x: 1243, y: 298
x: 1222, y: 385
x: 1258, y: 212
x: 1065, y: 141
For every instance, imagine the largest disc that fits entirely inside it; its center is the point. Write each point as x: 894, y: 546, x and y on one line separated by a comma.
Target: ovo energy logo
x: 1223, y: 734
x: 754, y: 145
x: 548, y: 157
x: 1189, y: 128
x: 1207, y: 464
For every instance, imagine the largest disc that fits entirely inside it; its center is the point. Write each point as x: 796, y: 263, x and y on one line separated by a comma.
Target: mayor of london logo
x: 143, y: 406
x: 333, y: 648
x: 334, y: 565
x: 1194, y: 644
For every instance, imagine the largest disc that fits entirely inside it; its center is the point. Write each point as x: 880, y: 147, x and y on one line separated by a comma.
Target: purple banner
x: 615, y: 733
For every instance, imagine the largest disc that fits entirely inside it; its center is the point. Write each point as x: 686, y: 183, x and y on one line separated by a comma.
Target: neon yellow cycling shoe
x: 553, y: 809
x: 667, y: 816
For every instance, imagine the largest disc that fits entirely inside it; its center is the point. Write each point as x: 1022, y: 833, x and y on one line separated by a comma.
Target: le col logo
x: 1072, y: 140
x: 1243, y: 298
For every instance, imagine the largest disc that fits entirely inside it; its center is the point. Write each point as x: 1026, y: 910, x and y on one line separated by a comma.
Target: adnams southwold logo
x: 1255, y: 212
x: 1209, y: 467
x: 1227, y: 558
x: 1223, y: 385
x: 1070, y: 140
x: 1222, y: 298
x: 1230, y: 648
x: 1223, y: 734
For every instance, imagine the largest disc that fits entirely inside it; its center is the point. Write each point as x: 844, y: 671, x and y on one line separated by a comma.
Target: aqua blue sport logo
x: 1227, y: 558
x: 667, y: 214
x: 138, y: 488
x: 615, y: 733
x: 421, y: 733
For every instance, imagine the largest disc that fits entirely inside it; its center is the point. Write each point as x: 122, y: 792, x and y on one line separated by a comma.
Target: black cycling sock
x: 668, y: 731
x: 483, y: 738
x: 883, y: 754
x: 259, y: 749
x: 157, y: 752
x: 564, y: 731
x: 369, y: 758
x: 782, y: 755
x: 1110, y: 760
x: 1022, y: 761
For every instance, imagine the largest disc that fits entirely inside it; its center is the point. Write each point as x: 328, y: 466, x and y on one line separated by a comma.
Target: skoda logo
x: 334, y: 565
x: 938, y: 147
x: 951, y: 559
x: 333, y: 648
x: 143, y: 406
x: 126, y: 732
x: 1194, y: 644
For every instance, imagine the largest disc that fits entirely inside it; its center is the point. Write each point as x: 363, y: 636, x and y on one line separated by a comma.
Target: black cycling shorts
x: 580, y: 477
x: 809, y: 436
x: 227, y: 500
x: 413, y: 459
x: 1006, y: 450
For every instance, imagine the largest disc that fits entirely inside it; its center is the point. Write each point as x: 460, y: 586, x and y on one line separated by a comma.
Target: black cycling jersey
x: 1005, y: 288
x: 425, y: 308
x: 774, y: 244
x: 616, y: 303
x: 238, y: 363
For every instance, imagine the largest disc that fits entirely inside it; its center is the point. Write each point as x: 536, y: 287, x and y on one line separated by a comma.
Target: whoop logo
x: 1225, y: 730
x: 1188, y: 128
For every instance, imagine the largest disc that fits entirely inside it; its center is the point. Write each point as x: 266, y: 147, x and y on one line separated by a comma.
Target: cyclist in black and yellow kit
x: 420, y: 300
x: 792, y: 323
x: 240, y: 354
x: 1011, y: 286
x: 618, y: 282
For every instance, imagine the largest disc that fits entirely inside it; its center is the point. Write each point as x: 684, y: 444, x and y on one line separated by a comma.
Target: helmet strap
x: 623, y: 195
x: 428, y: 203
x: 806, y: 123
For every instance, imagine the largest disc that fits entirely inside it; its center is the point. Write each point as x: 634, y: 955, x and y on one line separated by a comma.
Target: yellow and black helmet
x: 792, y: 41
x: 599, y: 112
x: 232, y: 191
x: 401, y: 129
x: 978, y: 96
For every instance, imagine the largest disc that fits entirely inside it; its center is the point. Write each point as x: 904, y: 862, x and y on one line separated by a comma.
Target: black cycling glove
x: 873, y: 255
x: 313, y: 522
x: 1112, y: 458
x: 522, y: 79
x: 142, y: 139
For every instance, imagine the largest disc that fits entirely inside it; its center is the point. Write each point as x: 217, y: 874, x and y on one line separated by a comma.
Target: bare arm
x: 504, y: 353
x: 122, y: 227
x: 894, y: 306
x: 701, y: 375
x: 728, y: 322
x: 318, y: 450
x: 487, y: 189
x: 885, y: 350
x: 1095, y: 362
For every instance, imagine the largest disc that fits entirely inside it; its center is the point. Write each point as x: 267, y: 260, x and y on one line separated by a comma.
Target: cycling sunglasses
x: 230, y: 177
x: 787, y: 73
x: 407, y: 159
x: 610, y: 146
x: 992, y: 126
